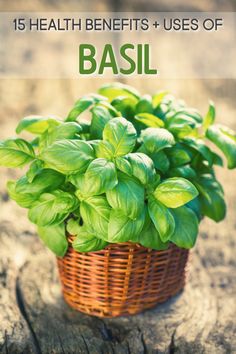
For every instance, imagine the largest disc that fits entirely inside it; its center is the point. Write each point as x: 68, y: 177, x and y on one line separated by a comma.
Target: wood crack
x: 61, y: 344
x: 145, y: 350
x: 21, y: 305
x: 172, y: 344
x: 4, y: 344
x: 128, y: 347
x: 7, y: 352
x: 85, y: 343
x: 106, y: 332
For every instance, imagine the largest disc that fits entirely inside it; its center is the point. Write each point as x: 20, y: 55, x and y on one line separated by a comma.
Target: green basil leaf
x: 176, y: 191
x: 121, y: 228
x: 183, y: 116
x: 182, y: 171
x: 202, y: 191
x: 68, y: 156
x: 141, y: 167
x: 52, y: 208
x: 225, y: 139
x: 73, y: 227
x: 210, y: 116
x: 100, y: 116
x: 177, y: 156
x: 215, y: 209
x: 34, y: 169
x: 69, y: 130
x: 147, y: 220
x: 199, y: 146
x: 35, y: 142
x: 54, y: 237
x: 149, y: 120
x: 77, y: 179
x: 168, y: 104
x: 121, y: 134
x: 160, y: 161
x: 104, y: 150
x: 158, y: 97
x: 123, y: 164
x: 127, y: 195
x: 162, y: 219
x: 15, y: 153
x: 25, y: 200
x: 87, y: 242
x: 67, y: 186
x: 125, y: 105
x: 152, y: 186
x: 182, y: 131
x: 217, y: 160
x: 113, y: 90
x: 82, y: 104
x: 200, y: 165
x: 210, y: 182
x: 211, y: 198
x: 156, y: 139
x: 112, y: 110
x: 195, y: 206
x: 99, y: 177
x: 45, y: 181
x: 150, y: 238
x: 85, y: 125
x: 144, y: 105
x: 186, y: 227
x: 95, y: 212
x: 36, y: 124
x: 183, y: 122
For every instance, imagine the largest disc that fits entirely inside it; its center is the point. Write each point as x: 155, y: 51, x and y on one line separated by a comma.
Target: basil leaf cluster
x: 139, y: 170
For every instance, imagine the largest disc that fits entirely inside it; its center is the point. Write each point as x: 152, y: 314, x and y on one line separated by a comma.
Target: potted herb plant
x: 118, y: 198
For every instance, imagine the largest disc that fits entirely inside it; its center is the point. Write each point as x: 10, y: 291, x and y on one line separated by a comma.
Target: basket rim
x: 128, y: 245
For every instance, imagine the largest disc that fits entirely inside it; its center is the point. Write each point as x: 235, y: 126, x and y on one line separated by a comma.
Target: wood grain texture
x: 34, y: 317
x: 15, y: 334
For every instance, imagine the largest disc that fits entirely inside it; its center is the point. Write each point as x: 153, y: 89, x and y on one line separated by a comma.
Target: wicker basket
x: 122, y: 279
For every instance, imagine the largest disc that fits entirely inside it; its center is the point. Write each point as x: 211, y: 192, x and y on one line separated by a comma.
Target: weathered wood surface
x: 35, y: 319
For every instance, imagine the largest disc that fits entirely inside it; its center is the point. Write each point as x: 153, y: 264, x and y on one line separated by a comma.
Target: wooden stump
x: 35, y: 319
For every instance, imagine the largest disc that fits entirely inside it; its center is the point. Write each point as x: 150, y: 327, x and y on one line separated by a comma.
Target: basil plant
x: 139, y: 170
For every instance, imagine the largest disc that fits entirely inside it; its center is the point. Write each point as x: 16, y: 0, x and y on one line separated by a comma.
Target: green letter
x: 140, y: 58
x: 87, y: 57
x: 128, y: 59
x: 108, y: 51
x: 147, y: 69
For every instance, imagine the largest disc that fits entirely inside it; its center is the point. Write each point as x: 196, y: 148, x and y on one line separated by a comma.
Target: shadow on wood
x: 35, y: 319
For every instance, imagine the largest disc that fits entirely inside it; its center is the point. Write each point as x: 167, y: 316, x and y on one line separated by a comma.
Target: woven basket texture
x: 122, y: 279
